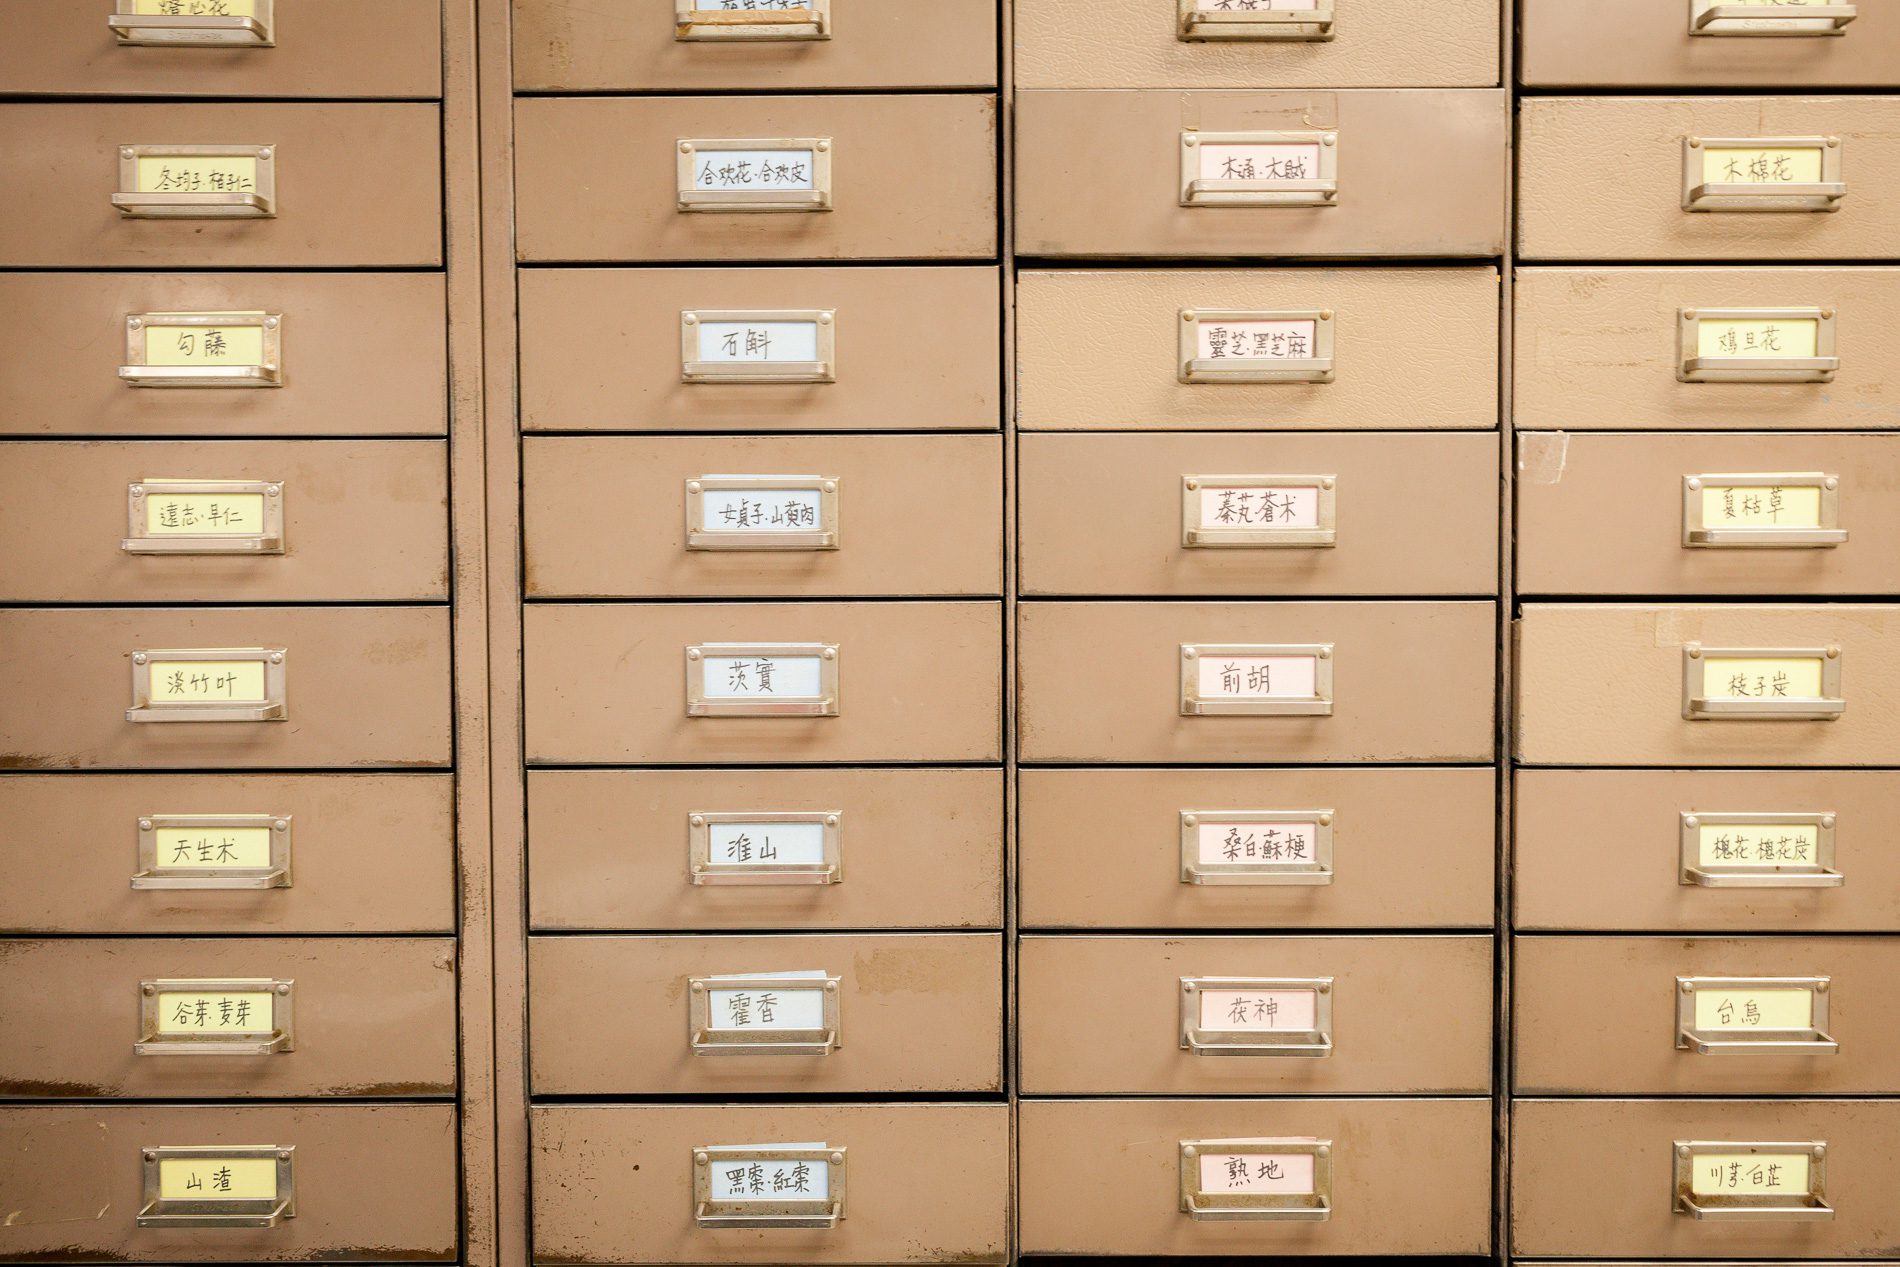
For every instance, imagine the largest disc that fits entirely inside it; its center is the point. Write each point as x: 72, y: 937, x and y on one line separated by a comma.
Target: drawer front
x: 1606, y: 685
x: 59, y: 166
x: 1638, y: 43
x: 1409, y: 1176
x: 610, y: 517
x: 348, y: 48
x: 1420, y: 172
x: 1127, y: 44
x: 367, y: 1017
x: 568, y: 46
x: 915, y: 848
x: 1622, y: 159
x: 365, y: 686
x: 1596, y: 1177
x: 1602, y: 850
x: 367, y: 853
x: 361, y: 354
x: 1632, y: 1043
x: 1103, y: 682
x: 608, y: 683
x: 374, y: 1183
x: 1387, y: 539
x: 1601, y: 349
x: 614, y: 1183
x: 1103, y: 848
x: 601, y: 349
x: 1101, y: 351
x: 936, y: 200
x: 648, y: 1039
x: 1407, y: 1015
x: 1605, y: 514
x: 359, y: 521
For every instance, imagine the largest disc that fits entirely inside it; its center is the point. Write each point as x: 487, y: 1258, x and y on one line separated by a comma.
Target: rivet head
x: 1323, y: 1151
x: 282, y: 824
x: 1833, y: 653
x: 691, y: 319
x: 1827, y: 314
x: 1833, y: 141
x: 699, y: 1159
x: 138, y: 490
x: 831, y: 820
x: 1189, y: 820
x: 270, y: 323
x: 1325, y: 987
x: 1329, y: 139
x: 1682, y: 1150
x: 699, y: 987
x: 698, y: 869
x: 151, y: 1155
x: 1191, y: 141
x: 1326, y: 483
x: 686, y: 147
x: 1190, y: 654
x: 1187, y: 986
x: 263, y: 156
x: 831, y: 486
x: 1695, y: 142
x: 1325, y: 653
x: 692, y: 486
x: 1187, y: 316
x: 1692, y: 821
x: 837, y: 1159
x: 697, y: 820
x: 1695, y: 651
x: 824, y: 318
x: 283, y: 1156
x: 273, y: 490
x: 277, y: 657
x: 1820, y: 1151
x: 1831, y: 484
x: 1190, y: 1151
x: 831, y: 987
x: 145, y: 824
x: 283, y: 987
x: 139, y: 658
x: 1688, y: 987
x: 125, y: 152
x: 1688, y: 314
x: 1325, y: 820
x: 1820, y: 987
x: 831, y: 653
x: 692, y: 655
x: 1828, y: 822
x: 1326, y: 314
x: 1694, y: 484
x: 1193, y: 485
x: 148, y: 989
x: 135, y: 323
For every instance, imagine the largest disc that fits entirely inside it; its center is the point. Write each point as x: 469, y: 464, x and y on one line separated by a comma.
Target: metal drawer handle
x: 1820, y: 1211
x: 133, y: 29
x: 218, y: 1186
x: 1711, y: 17
x: 809, y: 21
x: 225, y: 1017
x: 1252, y: 1006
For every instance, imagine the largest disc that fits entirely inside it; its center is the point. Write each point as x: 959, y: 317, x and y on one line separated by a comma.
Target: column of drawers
x: 1708, y: 504
x: 763, y: 530
x: 1257, y: 635
x: 225, y: 817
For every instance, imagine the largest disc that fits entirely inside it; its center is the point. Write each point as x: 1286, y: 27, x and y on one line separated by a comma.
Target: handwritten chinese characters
x: 214, y: 848
x: 1258, y: 677
x: 204, y: 344
x: 1761, y: 506
x: 745, y: 677
x: 1284, y: 843
x: 1758, y: 338
x: 758, y: 341
x: 196, y: 8
x: 766, y: 170
x: 748, y: 6
x: 1241, y: 1173
x: 763, y: 844
x: 1762, y: 678
x: 1765, y: 165
x: 195, y: 1012
x: 1759, y: 844
x: 1288, y: 507
x: 793, y: 1007
x: 204, y: 515
x: 207, y: 681
x: 760, y: 511
x: 197, y: 174
x: 217, y: 1178
x: 1256, y: 340
x: 1749, y: 1174
x: 1255, y: 6
x: 1259, y: 161
x: 1248, y: 1010
x: 743, y: 1179
x: 1746, y: 1008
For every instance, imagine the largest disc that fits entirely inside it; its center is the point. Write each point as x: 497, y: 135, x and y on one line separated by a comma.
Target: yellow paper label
x: 217, y: 1179
x: 207, y: 681
x: 1749, y: 1174
x: 204, y: 345
x: 204, y: 514
x: 199, y: 8
x: 1780, y: 677
x: 215, y: 1012
x: 1759, y: 506
x: 1758, y: 337
x: 197, y: 174
x: 1759, y: 844
x: 213, y: 848
x: 1752, y: 165
x: 1741, y: 1010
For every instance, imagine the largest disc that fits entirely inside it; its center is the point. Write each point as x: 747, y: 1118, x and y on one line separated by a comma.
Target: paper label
x: 1760, y: 844
x: 766, y: 844
x: 1256, y: 340
x: 1758, y: 337
x: 1291, y: 507
x: 1279, y: 1173
x: 1761, y: 678
x: 744, y: 1179
x: 1257, y: 842
x: 207, y: 681
x: 760, y: 509
x: 762, y: 677
x: 1761, y: 506
x: 1258, y: 677
x: 1243, y: 1009
x: 1749, y: 1174
x: 1753, y: 165
x: 204, y: 345
x: 196, y: 174
x: 217, y: 1179
x: 204, y: 514
x: 1259, y: 161
x: 754, y: 169
x: 215, y: 1012
x: 213, y: 848
x: 1748, y: 1008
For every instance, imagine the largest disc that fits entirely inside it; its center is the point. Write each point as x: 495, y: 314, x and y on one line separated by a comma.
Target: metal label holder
x: 1194, y: 704
x: 706, y: 1039
x: 693, y: 198
x: 1812, y: 1040
x: 1691, y: 367
x: 823, y: 704
x: 1713, y: 17
x: 810, y: 20
x: 695, y: 370
x: 147, y: 709
x: 280, y: 1037
x: 1289, y: 1207
x: 1198, y: 534
x: 1315, y: 871
x: 1195, y: 368
x: 1698, y: 533
x: 269, y: 539
x: 256, y: 204
x: 1320, y: 191
x: 155, y: 1211
x: 136, y: 373
x: 1315, y: 1043
x: 1819, y: 874
x: 154, y: 874
x: 1810, y: 1206
x: 823, y: 535
x: 1696, y: 706
x: 818, y: 1212
x: 704, y: 869
x: 1701, y: 194
x: 1311, y: 25
x: 155, y: 30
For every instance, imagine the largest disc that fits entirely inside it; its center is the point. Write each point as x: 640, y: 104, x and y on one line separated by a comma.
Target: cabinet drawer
x: 1106, y: 848
x: 1603, y: 850
x: 1602, y: 349
x: 1604, y: 178
x: 1387, y: 538
x: 1614, y: 514
x: 366, y: 853
x: 348, y: 48
x: 1638, y: 43
x: 597, y: 178
x: 373, y: 1183
x: 1106, y: 682
x: 1611, y: 684
x: 614, y: 849
x: 352, y: 521
x: 360, y: 354
x: 1419, y: 172
x: 363, y: 686
x: 569, y: 46
x: 1640, y: 1015
x: 602, y: 349
x: 664, y: 1032
x: 614, y: 1183
x: 1408, y: 1176
x: 1596, y: 1177
x: 59, y: 167
x: 1391, y: 1014
x: 609, y: 682
x: 361, y: 1017
x: 1101, y: 351
x: 627, y: 517
x: 1127, y: 44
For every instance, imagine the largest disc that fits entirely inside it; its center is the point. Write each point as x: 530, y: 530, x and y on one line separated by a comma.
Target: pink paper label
x: 1290, y: 1173
x: 1266, y: 1010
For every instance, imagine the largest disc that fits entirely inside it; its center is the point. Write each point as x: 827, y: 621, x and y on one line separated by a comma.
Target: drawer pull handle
x: 1777, y: 1016
x: 1756, y: 345
x: 754, y: 174
x: 226, y: 1017
x: 808, y: 21
x: 203, y: 349
x: 765, y: 847
x: 254, y: 29
x: 196, y: 182
x: 1762, y: 173
x: 1287, y: 1180
x: 1761, y: 683
x: 1226, y: 345
x: 752, y: 1185
x: 213, y: 851
x: 1222, y: 679
x: 218, y: 1186
x: 209, y: 684
x: 752, y: 345
x: 1255, y: 512
x: 1752, y: 1182
x: 1762, y: 510
x: 204, y: 517
x: 1712, y: 17
x: 762, y: 679
x: 1313, y: 23
x: 1259, y: 169
x: 1257, y: 1016
x: 764, y: 1014
x: 1257, y: 847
